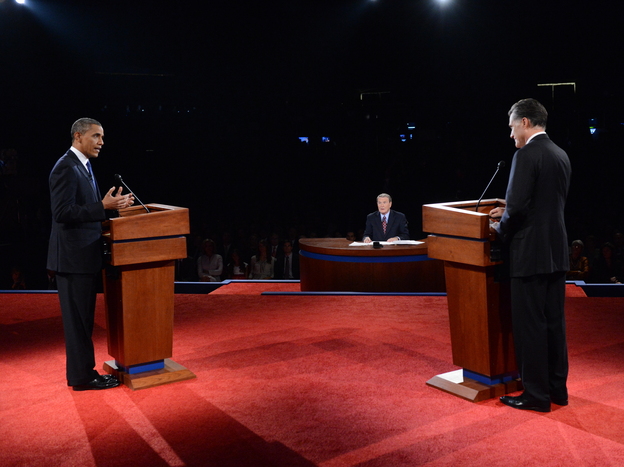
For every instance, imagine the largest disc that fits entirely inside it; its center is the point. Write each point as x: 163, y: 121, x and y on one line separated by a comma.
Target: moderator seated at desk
x: 385, y: 224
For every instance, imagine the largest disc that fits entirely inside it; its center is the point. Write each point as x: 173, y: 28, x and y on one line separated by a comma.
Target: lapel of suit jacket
x: 85, y: 173
x: 96, y: 188
x: 391, y: 219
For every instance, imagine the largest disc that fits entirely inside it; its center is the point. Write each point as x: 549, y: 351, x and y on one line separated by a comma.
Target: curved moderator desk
x: 330, y: 264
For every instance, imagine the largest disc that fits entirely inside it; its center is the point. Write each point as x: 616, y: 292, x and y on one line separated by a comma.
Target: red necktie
x: 384, y: 224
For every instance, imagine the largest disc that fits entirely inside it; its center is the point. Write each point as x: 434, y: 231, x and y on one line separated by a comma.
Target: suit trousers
x: 77, y: 294
x: 539, y: 331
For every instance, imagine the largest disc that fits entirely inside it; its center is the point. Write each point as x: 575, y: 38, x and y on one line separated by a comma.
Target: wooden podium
x: 139, y: 292
x: 479, y: 305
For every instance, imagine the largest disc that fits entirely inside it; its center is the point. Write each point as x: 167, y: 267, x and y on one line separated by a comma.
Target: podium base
x: 170, y: 374
x: 471, y: 390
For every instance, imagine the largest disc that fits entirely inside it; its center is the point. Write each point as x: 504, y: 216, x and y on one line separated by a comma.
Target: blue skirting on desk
x: 417, y: 294
x: 365, y: 259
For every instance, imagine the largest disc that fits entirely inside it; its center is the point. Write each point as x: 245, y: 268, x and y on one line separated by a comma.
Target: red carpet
x: 301, y: 381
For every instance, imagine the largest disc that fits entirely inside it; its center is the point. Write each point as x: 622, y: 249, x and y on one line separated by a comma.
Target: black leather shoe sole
x: 523, y: 404
x: 101, y: 382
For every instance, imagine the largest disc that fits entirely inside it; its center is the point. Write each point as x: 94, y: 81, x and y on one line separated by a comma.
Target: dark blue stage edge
x: 592, y: 290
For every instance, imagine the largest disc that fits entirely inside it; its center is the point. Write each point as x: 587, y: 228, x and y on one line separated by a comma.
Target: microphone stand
x: 119, y: 180
x: 500, y: 165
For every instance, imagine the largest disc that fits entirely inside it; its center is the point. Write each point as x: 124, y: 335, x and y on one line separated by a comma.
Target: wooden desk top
x: 340, y: 247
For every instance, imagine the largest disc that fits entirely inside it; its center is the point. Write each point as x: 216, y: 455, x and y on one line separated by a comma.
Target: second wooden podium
x: 478, y: 303
x: 139, y: 293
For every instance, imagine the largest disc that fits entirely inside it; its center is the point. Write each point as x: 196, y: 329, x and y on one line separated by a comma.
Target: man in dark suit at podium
x: 385, y: 225
x: 75, y: 249
x: 532, y: 225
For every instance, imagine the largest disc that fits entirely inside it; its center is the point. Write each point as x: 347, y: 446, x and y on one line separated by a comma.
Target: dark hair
x: 209, y: 241
x: 263, y: 243
x: 532, y: 110
x: 82, y: 125
x: 608, y: 245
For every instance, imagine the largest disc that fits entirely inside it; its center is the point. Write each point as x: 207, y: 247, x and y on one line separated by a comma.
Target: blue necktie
x: 93, y: 184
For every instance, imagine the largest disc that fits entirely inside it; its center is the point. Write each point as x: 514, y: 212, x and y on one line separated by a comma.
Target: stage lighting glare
x: 21, y: 2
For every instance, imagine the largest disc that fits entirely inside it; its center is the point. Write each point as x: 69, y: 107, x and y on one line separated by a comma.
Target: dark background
x: 203, y: 103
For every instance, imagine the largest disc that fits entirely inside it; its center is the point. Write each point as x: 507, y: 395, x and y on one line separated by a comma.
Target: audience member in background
x: 618, y: 243
x: 351, y: 236
x: 591, y: 250
x: 226, y: 247
x: 236, y: 268
x: 262, y: 264
x: 293, y: 236
x: 250, y: 247
x: 274, y: 245
x: 17, y: 277
x: 579, y: 264
x: 209, y: 264
x: 51, y: 280
x: 240, y: 240
x: 287, y: 263
x: 608, y: 268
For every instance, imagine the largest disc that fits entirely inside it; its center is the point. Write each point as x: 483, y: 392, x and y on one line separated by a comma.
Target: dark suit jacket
x: 397, y: 227
x: 77, y: 212
x: 279, y: 266
x: 533, y: 223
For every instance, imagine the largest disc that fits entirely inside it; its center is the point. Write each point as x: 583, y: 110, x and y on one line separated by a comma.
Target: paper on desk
x: 399, y: 242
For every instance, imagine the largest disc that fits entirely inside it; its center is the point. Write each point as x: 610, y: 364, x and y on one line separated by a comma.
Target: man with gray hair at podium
x: 385, y: 224
x: 532, y: 225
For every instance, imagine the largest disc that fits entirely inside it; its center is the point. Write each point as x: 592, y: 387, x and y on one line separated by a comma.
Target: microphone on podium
x: 119, y: 182
x: 500, y: 165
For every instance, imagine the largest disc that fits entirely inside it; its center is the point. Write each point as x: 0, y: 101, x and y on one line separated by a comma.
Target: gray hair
x: 385, y: 195
x: 82, y: 125
x: 532, y: 110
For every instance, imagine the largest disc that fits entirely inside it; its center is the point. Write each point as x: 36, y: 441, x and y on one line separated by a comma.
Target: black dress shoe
x: 101, y: 382
x: 523, y: 403
x: 559, y: 396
